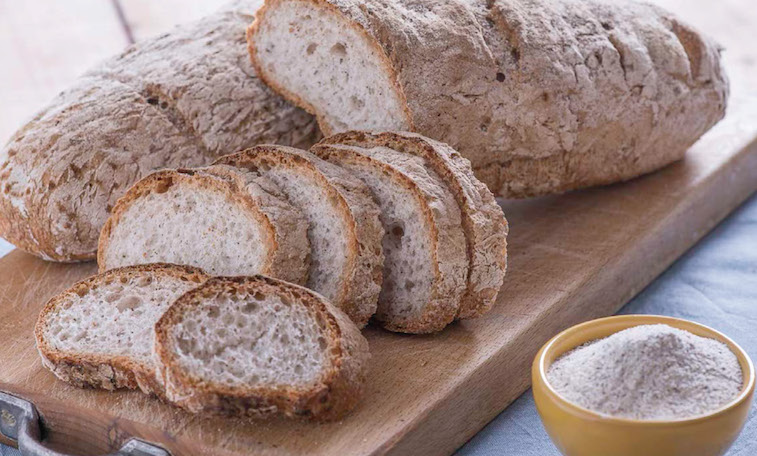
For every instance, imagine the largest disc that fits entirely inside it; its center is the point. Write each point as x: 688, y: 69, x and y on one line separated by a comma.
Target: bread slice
x: 100, y: 332
x: 345, y: 231
x: 543, y: 96
x: 483, y: 221
x: 256, y: 346
x: 425, y: 266
x: 222, y: 222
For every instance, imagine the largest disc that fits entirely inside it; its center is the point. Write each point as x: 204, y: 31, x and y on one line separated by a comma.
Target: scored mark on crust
x: 163, y: 103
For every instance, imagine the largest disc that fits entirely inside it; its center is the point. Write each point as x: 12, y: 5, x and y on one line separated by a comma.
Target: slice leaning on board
x: 482, y: 219
x: 245, y: 346
x: 542, y: 96
x: 99, y: 333
x: 181, y: 99
x: 401, y: 226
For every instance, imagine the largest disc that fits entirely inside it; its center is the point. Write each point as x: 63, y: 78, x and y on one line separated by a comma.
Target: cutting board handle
x: 19, y: 421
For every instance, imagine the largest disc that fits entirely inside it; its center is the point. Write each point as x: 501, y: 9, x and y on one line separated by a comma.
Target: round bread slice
x: 345, y: 231
x: 484, y: 222
x: 257, y: 346
x: 100, y: 332
x: 225, y: 223
x: 425, y: 266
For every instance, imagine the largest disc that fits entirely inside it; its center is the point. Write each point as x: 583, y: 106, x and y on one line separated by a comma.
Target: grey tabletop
x: 715, y: 283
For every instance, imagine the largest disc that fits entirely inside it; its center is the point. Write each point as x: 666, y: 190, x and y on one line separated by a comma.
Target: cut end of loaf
x: 316, y: 57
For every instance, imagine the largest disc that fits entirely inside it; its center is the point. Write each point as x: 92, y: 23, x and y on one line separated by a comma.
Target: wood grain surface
x: 571, y: 258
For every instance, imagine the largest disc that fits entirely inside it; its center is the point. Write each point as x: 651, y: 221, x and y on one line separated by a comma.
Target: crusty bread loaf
x: 483, y: 221
x: 425, y: 266
x: 542, y: 96
x: 256, y: 346
x: 181, y: 99
x: 99, y: 333
x: 345, y: 232
x: 221, y: 220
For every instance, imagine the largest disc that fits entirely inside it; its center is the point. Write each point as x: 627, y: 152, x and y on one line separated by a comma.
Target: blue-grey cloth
x: 715, y: 284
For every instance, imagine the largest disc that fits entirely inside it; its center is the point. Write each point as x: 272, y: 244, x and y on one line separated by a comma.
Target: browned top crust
x: 332, y: 395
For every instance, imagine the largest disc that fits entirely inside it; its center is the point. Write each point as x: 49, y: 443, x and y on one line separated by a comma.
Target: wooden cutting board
x: 571, y: 258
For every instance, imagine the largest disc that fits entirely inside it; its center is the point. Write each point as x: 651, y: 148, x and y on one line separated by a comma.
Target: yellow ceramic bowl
x: 580, y: 432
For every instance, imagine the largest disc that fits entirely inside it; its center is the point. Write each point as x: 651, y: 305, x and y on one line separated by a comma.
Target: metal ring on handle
x: 19, y: 421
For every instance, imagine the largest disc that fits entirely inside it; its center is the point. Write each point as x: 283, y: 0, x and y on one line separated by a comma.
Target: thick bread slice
x: 208, y: 219
x: 257, y: 346
x: 542, y: 96
x: 425, y: 266
x: 484, y: 222
x: 100, y: 332
x: 345, y: 231
x: 183, y: 98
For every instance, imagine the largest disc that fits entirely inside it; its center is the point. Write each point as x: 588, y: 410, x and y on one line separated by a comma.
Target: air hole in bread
x: 339, y: 50
x: 128, y: 302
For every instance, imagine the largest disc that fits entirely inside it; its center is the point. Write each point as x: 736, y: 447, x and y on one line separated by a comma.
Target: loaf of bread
x: 268, y: 347
x: 181, y: 99
x: 542, y: 96
x: 344, y: 229
x: 99, y: 333
x: 224, y: 221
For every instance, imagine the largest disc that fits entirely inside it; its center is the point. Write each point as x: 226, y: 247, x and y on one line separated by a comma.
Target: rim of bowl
x: 642, y: 319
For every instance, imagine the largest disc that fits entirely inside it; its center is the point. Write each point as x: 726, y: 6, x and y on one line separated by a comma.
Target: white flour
x: 650, y: 372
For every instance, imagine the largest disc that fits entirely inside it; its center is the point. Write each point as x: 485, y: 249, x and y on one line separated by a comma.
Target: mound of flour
x: 649, y: 372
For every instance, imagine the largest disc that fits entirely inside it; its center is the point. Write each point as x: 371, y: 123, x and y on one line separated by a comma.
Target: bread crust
x: 361, y: 282
x: 484, y: 222
x: 90, y: 370
x: 284, y: 231
x: 180, y: 99
x: 543, y: 96
x: 446, y: 238
x: 330, y: 397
